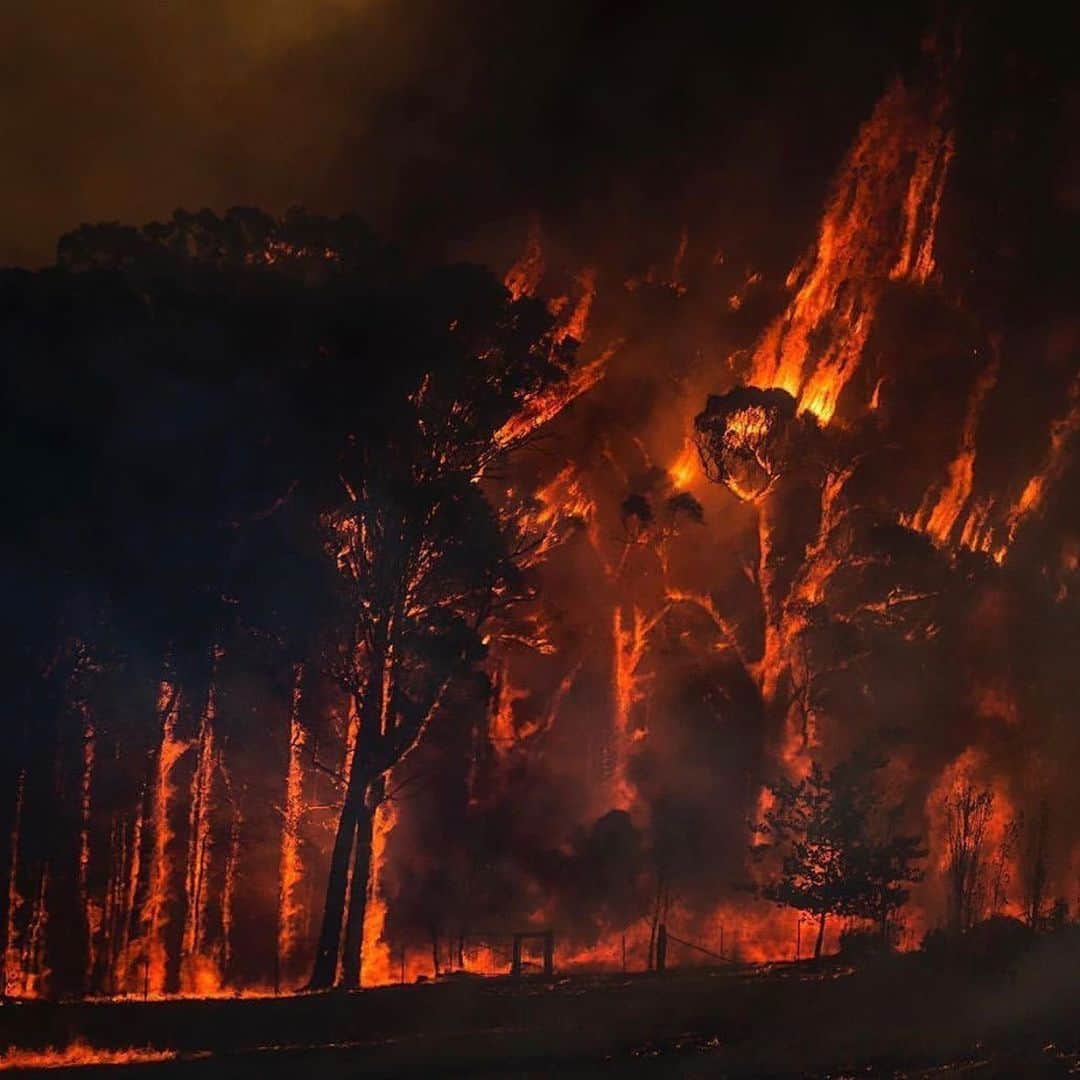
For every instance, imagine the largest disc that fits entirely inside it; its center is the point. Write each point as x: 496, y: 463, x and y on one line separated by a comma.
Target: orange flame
x: 290, y: 868
x: 937, y: 517
x: 523, y: 278
x: 899, y: 162
x: 79, y: 1053
x: 156, y: 912
x: 376, y: 960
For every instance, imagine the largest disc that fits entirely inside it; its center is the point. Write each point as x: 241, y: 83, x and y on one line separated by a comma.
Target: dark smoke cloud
x: 434, y: 119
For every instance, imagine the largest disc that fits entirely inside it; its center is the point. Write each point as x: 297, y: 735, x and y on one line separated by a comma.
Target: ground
x: 901, y: 1017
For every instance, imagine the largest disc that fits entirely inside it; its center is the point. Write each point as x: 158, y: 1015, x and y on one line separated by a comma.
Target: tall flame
x: 937, y: 517
x: 899, y: 163
x: 291, y: 870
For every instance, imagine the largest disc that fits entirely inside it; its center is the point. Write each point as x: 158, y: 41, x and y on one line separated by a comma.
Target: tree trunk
x: 326, y: 953
x: 194, y: 674
x: 820, y: 936
x: 655, y: 923
x: 353, y: 841
x: 353, y: 949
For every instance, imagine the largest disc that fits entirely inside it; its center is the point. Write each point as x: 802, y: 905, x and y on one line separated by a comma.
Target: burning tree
x: 246, y: 393
x: 746, y: 439
x: 841, y: 853
x: 423, y: 557
x: 968, y: 811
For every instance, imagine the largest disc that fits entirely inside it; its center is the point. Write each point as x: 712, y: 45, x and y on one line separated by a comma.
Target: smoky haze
x: 436, y: 121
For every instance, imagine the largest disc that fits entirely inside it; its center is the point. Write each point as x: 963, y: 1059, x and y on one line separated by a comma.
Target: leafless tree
x: 968, y: 811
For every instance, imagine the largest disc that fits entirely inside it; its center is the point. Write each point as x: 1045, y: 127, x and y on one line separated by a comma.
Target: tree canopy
x: 262, y: 438
x: 838, y: 846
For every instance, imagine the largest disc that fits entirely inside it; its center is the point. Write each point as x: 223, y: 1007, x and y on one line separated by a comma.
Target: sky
x: 434, y: 119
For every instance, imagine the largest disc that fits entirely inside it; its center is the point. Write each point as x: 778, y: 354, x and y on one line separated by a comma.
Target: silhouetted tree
x: 883, y: 869
x: 968, y: 811
x: 423, y: 558
x: 840, y: 853
x: 1001, y: 866
x: 248, y: 438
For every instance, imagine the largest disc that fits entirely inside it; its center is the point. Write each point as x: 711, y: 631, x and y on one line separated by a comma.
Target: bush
x: 862, y: 944
x: 993, y: 945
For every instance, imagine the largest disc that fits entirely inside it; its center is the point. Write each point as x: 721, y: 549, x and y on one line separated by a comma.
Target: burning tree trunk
x: 359, y: 883
x: 423, y: 560
x: 328, y: 950
x: 341, y: 935
x: 418, y: 386
x: 290, y: 862
x: 967, y: 811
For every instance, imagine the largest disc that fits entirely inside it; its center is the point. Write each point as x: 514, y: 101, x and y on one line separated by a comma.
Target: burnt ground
x: 904, y: 1016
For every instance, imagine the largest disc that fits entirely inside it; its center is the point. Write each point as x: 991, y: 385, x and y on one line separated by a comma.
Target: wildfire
x: 156, y: 916
x: 577, y: 319
x: 630, y: 633
x: 937, y: 517
x: 12, y: 959
x: 745, y: 439
x: 541, y: 408
x: 1031, y: 497
x: 275, y: 251
x: 900, y: 160
x: 523, y: 278
x: 80, y: 1053
x: 986, y: 845
x: 159, y: 897
x: 377, y: 962
x: 291, y: 871
x: 687, y: 466
x: 201, y: 970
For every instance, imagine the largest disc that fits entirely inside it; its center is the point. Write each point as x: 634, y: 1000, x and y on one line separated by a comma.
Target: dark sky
x: 433, y: 118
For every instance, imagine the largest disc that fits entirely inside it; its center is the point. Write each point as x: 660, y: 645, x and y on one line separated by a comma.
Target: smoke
x: 440, y: 122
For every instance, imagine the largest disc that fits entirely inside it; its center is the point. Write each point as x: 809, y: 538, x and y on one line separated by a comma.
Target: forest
x: 615, y: 560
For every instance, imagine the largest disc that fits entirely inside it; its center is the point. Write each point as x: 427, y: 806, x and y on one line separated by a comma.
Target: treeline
x: 244, y: 531
x: 832, y: 845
